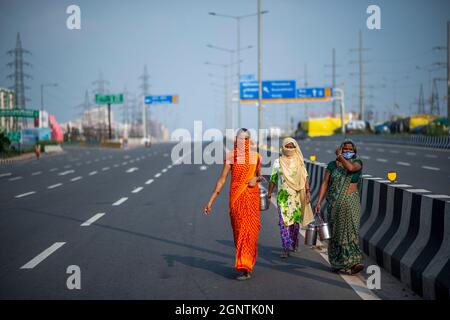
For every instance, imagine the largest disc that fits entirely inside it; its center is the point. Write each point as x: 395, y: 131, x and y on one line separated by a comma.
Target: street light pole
x: 259, y: 75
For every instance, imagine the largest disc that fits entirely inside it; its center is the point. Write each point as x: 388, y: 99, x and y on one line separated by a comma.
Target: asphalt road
x: 149, y: 240
x: 422, y: 168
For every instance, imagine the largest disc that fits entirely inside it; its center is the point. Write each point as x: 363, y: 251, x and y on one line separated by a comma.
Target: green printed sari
x: 343, y: 215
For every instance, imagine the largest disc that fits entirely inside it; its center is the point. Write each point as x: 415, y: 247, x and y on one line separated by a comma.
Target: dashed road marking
x: 431, y: 156
x: 411, y: 153
x: 54, y: 169
x: 43, y: 255
x: 137, y: 190
x: 105, y: 168
x: 55, y: 186
x: 92, y: 173
x: 158, y: 175
x: 406, y: 164
x: 365, y: 157
x: 66, y: 172
x: 164, y: 170
x: 15, y: 178
x: 132, y: 170
x: 92, y: 220
x: 381, y: 160
x: 76, y: 178
x: 5, y: 174
x: 120, y: 201
x: 431, y: 168
x: 149, y: 181
x: 203, y: 168
x: 25, y: 194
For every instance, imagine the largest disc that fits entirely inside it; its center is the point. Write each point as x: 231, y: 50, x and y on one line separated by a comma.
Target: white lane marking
x: 137, y: 190
x: 54, y: 169
x: 92, y: 173
x: 5, y: 174
x: 418, y: 190
x: 411, y: 153
x: 105, y: 168
x: 381, y: 160
x: 158, y: 175
x: 25, y: 194
x: 43, y: 255
x: 203, y: 168
x: 164, y: 170
x: 15, y: 178
x: 431, y: 168
x: 132, y: 170
x: 431, y: 156
x: 365, y: 157
x: 120, y: 201
x: 407, y: 164
x: 356, y: 283
x: 76, y: 178
x: 437, y: 196
x: 36, y: 173
x: 131, y: 161
x: 66, y: 172
x: 149, y: 181
x: 169, y: 166
x: 116, y: 165
x: 54, y: 186
x: 92, y: 220
x: 124, y: 163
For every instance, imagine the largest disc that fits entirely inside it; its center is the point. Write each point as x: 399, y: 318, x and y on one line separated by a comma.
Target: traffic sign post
x: 109, y: 99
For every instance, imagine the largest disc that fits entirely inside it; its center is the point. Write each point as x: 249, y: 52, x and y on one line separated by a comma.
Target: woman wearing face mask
x: 245, y: 168
x: 340, y: 186
x: 293, y: 198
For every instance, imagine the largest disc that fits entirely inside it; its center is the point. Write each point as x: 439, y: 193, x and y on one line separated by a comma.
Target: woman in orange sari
x: 245, y: 168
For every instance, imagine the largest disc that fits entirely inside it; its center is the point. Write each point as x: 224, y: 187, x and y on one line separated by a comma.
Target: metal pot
x: 323, y: 229
x: 263, y: 200
x: 311, y: 235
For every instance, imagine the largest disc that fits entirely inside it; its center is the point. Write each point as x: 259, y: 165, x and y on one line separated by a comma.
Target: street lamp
x: 238, y: 47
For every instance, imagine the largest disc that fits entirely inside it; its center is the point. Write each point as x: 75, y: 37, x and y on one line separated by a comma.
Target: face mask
x: 348, y: 155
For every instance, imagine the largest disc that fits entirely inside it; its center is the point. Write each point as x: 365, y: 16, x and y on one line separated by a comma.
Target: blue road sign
x: 314, y: 92
x: 278, y: 89
x: 161, y: 99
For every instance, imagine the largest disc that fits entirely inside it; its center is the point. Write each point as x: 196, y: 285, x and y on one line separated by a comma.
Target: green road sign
x: 19, y: 113
x: 14, y: 136
x: 109, y: 98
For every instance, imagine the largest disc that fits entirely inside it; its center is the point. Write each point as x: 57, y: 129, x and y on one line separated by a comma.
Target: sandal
x: 245, y: 276
x: 357, y: 268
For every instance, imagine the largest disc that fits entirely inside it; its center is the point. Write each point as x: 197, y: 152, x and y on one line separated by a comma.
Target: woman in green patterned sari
x: 340, y: 186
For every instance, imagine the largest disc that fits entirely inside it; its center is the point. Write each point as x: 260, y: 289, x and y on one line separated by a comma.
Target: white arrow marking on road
x: 92, y: 220
x: 132, y: 170
x: 76, y: 179
x: 407, y: 164
x: 54, y: 186
x: 15, y: 178
x: 431, y: 168
x: 66, y: 172
x: 149, y: 181
x: 25, y: 194
x: 202, y: 168
x: 92, y: 173
x: 158, y: 175
x: 42, y: 256
x: 120, y: 201
x: 5, y: 174
x: 137, y: 190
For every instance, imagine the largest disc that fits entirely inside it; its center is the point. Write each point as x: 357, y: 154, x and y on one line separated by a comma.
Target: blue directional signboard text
x: 278, y: 89
x: 314, y: 92
x: 166, y: 99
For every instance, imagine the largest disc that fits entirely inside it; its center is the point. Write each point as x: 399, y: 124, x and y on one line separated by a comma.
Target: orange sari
x: 244, y: 208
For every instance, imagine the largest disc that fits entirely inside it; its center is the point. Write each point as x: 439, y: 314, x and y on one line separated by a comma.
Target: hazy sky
x: 170, y: 37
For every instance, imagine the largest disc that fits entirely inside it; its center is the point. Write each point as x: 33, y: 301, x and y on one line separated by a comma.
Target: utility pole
x: 145, y: 86
x: 101, y: 88
x: 361, y: 62
x: 434, y: 103
x: 421, y: 109
x: 306, y: 86
x: 333, y: 77
x: 260, y: 115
